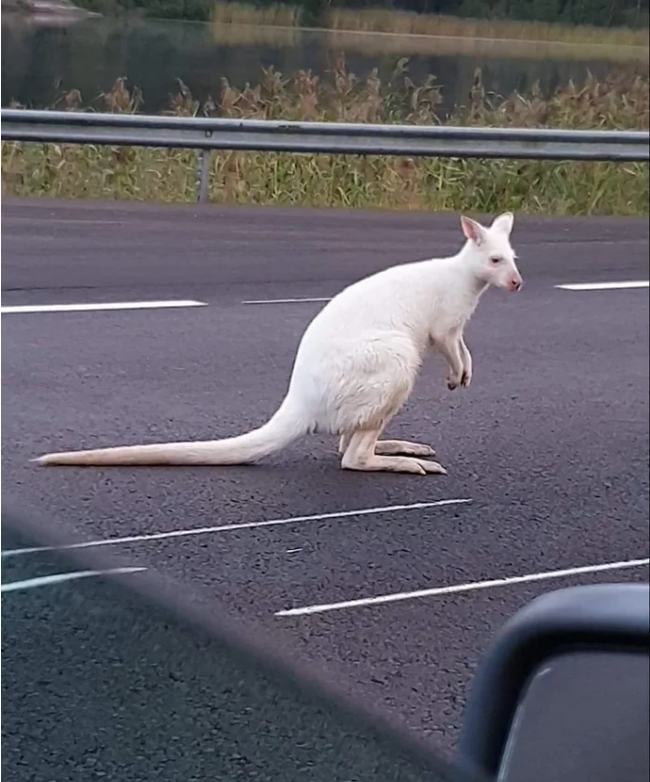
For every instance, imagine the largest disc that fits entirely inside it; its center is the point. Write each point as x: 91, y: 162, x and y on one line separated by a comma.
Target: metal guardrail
x: 207, y: 134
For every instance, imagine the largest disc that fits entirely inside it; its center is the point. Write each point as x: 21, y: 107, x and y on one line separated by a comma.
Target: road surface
x: 384, y: 582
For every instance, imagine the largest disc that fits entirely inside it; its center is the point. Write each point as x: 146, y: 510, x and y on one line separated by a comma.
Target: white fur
x: 358, y: 360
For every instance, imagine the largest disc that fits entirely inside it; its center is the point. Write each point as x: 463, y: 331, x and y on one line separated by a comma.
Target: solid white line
x: 181, y: 533
x: 63, y: 220
x: 59, y: 578
x: 282, y: 301
x: 604, y: 286
x: 470, y: 587
x: 110, y: 305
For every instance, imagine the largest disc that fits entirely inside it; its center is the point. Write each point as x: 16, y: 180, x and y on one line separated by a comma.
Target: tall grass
x: 236, y: 34
x: 408, y: 23
x: 59, y: 170
x: 280, y: 15
x: 405, y: 23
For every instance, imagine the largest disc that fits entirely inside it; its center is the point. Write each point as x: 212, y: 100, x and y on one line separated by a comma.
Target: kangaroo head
x: 490, y: 253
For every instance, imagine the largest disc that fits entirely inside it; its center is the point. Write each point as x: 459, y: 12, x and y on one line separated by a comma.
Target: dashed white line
x: 59, y: 578
x: 604, y: 286
x: 100, y: 306
x: 472, y: 586
x: 182, y: 533
x: 284, y: 301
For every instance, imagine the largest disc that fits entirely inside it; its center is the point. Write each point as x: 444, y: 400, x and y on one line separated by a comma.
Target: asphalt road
x: 548, y: 448
x: 105, y: 677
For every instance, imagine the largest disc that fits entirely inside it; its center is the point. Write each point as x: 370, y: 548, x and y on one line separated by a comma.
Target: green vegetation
x: 533, y: 19
x: 486, y: 25
x: 621, y: 102
x: 236, y: 25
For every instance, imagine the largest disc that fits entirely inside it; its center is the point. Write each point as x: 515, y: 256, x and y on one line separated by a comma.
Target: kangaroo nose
x: 515, y: 283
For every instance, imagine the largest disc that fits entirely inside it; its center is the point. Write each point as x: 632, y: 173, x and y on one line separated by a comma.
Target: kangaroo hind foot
x: 393, y: 447
x: 361, y: 455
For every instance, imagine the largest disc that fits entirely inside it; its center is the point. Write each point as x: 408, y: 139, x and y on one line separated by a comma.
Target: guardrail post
x: 203, y: 184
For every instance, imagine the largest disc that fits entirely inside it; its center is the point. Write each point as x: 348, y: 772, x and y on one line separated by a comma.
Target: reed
x: 407, y: 23
x: 236, y: 34
x: 621, y: 102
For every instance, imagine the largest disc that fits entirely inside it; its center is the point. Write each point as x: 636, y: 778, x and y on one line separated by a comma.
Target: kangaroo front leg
x: 466, y: 357
x: 452, y: 353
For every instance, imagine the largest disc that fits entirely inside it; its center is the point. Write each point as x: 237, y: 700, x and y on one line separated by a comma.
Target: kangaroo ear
x: 473, y: 231
x: 504, y: 223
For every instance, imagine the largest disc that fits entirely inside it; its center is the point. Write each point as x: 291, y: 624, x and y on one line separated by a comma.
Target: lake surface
x: 40, y: 62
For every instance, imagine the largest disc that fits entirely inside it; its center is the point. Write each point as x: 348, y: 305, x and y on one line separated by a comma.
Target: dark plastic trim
x: 600, y: 616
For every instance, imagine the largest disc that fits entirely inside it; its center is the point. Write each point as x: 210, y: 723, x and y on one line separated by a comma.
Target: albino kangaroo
x: 358, y: 360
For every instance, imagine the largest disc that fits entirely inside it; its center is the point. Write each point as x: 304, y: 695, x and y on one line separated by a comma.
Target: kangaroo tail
x: 287, y: 425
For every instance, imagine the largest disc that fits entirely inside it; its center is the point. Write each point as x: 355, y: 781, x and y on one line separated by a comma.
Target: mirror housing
x: 603, y: 618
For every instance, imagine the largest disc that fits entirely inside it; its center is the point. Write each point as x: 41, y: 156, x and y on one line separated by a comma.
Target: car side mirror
x: 109, y: 673
x: 563, y: 693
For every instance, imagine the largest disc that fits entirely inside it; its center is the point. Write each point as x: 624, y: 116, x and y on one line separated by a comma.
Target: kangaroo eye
x: 495, y: 259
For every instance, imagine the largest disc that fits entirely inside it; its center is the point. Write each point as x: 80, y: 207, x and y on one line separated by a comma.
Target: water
x: 41, y: 61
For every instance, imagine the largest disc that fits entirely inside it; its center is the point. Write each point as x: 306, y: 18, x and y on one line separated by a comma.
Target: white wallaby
x: 358, y: 360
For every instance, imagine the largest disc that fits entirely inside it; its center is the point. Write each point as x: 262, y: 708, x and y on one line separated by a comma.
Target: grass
x: 58, y: 170
x: 407, y: 23
x: 277, y: 15
x: 389, y: 32
x: 404, y: 24
x: 238, y: 34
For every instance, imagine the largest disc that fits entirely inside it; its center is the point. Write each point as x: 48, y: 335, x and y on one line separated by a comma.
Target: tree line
x: 598, y: 13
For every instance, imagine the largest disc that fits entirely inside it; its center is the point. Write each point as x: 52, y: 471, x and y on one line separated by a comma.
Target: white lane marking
x: 578, y: 286
x: 180, y: 533
x: 604, y: 286
x: 59, y: 578
x: 109, y: 305
x: 283, y: 301
x: 458, y: 588
x: 61, y: 220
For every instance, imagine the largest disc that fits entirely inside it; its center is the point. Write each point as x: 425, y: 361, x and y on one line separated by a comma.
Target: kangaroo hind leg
x: 402, y: 448
x: 392, y: 447
x: 344, y: 441
x: 382, y: 372
x: 360, y: 455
